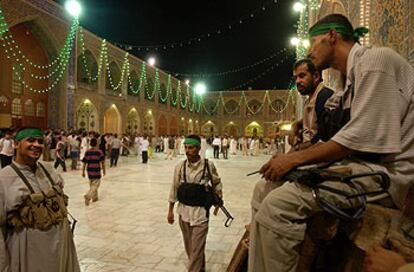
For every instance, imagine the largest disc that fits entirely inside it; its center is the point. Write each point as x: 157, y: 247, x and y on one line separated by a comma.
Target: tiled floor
x: 127, y: 229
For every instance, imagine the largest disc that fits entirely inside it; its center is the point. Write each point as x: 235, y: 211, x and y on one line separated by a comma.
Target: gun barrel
x: 230, y: 218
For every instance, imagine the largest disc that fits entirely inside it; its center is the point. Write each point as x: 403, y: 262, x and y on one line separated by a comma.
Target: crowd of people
x: 366, y: 127
x: 62, y: 145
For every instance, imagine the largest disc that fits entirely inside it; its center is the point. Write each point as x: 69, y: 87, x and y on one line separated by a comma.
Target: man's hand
x: 379, y: 259
x: 277, y: 167
x: 170, y: 218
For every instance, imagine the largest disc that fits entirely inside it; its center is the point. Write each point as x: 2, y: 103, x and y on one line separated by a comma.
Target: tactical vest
x: 38, y: 210
x: 196, y: 194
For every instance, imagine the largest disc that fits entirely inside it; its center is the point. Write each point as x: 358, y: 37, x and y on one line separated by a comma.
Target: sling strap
x: 47, y: 174
x: 23, y: 177
x: 204, y: 171
x: 26, y: 182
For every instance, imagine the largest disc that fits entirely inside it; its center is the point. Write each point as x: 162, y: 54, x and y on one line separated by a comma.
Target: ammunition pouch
x: 192, y: 194
x: 39, y: 211
x: 196, y: 194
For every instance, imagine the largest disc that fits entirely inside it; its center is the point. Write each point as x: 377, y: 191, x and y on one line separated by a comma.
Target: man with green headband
x: 379, y: 136
x: 35, y: 233
x: 191, y: 178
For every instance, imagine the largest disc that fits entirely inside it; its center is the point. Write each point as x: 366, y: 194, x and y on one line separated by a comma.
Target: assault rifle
x: 313, y: 177
x: 216, y: 200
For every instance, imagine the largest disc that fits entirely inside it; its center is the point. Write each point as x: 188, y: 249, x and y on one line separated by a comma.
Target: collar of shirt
x: 193, y: 165
x: 311, y: 100
x: 25, y: 167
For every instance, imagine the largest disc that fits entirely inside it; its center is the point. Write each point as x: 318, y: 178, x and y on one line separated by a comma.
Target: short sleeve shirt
x: 382, y: 114
x: 93, y: 159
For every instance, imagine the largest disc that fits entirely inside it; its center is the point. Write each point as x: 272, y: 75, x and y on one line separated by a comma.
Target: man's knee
x: 261, y: 190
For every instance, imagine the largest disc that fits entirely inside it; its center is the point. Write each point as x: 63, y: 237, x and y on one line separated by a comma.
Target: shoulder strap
x: 206, y: 166
x: 185, y: 172
x: 210, y: 176
x: 24, y: 179
x: 47, y: 174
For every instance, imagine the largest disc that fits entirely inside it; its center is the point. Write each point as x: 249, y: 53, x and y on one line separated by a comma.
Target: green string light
x: 12, y: 51
x: 84, y: 60
x: 3, y: 24
x: 174, y: 98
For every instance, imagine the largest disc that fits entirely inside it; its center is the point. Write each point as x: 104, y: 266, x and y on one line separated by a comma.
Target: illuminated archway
x: 197, y: 127
x: 182, y: 128
x: 190, y: 127
x: 133, y: 124
x: 209, y: 129
x: 112, y: 120
x: 149, y: 123
x: 231, y: 129
x: 87, y: 116
x: 254, y: 129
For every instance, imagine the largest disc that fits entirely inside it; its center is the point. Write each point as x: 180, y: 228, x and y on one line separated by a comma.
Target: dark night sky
x: 153, y: 22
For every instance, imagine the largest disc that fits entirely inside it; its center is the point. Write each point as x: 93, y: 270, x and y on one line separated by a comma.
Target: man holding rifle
x: 379, y: 136
x: 194, y: 182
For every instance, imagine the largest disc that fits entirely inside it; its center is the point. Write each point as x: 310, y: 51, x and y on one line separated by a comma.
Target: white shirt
x: 6, y: 147
x: 216, y: 141
x: 382, y: 114
x: 194, y: 171
x: 144, y: 145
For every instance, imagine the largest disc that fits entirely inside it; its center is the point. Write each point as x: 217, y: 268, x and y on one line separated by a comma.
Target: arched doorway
x: 133, y: 122
x: 162, y: 125
x: 254, y: 129
x: 112, y: 120
x: 22, y: 83
x: 5, y: 110
x: 182, y: 126
x: 173, y: 126
x: 209, y: 129
x: 149, y: 123
x: 190, y: 127
x: 87, y: 117
x: 231, y: 129
x: 197, y: 127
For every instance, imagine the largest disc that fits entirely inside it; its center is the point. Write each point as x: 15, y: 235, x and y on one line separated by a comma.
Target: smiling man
x: 189, y: 188
x: 35, y: 233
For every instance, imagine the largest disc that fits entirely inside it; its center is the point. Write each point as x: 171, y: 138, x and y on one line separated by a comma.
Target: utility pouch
x: 192, y: 194
x: 53, y: 204
x: 37, y: 204
x: 38, y: 210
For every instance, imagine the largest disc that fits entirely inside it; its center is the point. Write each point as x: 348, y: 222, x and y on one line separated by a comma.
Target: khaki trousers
x: 195, y: 242
x: 93, y: 189
x: 279, y: 213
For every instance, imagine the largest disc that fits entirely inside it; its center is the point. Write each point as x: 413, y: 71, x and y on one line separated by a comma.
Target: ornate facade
x: 102, y: 97
x: 105, y: 89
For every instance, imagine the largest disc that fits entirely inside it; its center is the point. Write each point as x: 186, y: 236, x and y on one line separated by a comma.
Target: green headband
x: 29, y: 132
x: 340, y: 28
x: 192, y: 141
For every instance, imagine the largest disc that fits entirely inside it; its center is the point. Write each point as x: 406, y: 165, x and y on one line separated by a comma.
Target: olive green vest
x: 38, y: 210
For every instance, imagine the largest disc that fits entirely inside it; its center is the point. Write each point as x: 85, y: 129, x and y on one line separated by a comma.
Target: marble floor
x: 127, y: 229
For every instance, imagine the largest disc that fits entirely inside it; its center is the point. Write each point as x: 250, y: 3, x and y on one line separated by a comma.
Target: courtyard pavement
x: 127, y: 229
